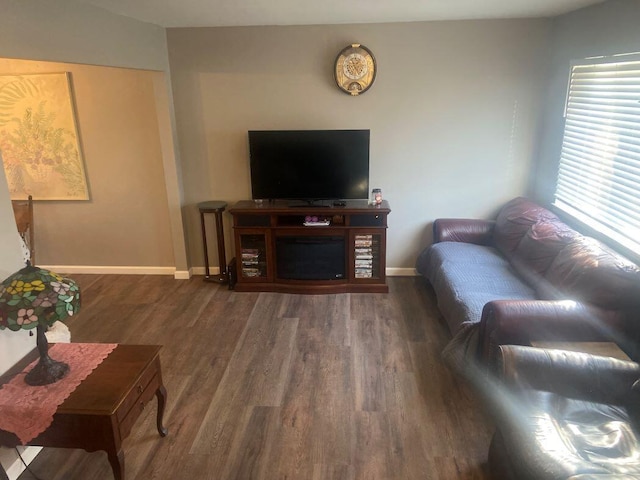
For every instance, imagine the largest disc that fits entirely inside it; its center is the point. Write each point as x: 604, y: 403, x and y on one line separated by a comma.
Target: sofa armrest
x: 519, y: 322
x: 571, y: 374
x: 463, y: 230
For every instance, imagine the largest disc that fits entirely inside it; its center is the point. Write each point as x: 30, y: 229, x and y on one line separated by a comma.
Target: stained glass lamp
x: 36, y: 298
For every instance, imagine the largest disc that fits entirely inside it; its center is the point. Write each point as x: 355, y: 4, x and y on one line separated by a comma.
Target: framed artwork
x: 39, y: 141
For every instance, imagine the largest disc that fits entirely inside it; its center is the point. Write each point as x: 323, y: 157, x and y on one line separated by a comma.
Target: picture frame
x: 39, y: 140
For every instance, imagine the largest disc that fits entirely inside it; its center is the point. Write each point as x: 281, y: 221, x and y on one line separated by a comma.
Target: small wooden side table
x: 100, y: 413
x: 216, y: 207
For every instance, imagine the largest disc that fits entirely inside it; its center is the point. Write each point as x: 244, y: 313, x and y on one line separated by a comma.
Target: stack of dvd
x: 250, y: 263
x: 364, y: 256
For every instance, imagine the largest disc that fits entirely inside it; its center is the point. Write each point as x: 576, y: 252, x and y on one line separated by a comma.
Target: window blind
x: 599, y: 174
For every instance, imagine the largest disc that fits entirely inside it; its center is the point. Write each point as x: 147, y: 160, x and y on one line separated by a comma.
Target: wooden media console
x: 310, y: 248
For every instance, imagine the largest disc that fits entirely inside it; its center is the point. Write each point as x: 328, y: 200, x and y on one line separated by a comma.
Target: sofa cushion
x: 514, y: 221
x: 466, y: 276
x: 539, y: 247
x: 587, y: 270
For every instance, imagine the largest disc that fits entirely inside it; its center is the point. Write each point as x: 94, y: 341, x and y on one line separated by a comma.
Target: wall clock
x: 355, y: 69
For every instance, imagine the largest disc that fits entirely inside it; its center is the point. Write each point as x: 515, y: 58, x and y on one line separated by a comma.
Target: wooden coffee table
x: 102, y: 410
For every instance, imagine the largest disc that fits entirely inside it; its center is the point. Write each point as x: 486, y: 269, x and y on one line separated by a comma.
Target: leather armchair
x: 520, y: 322
x: 565, y: 415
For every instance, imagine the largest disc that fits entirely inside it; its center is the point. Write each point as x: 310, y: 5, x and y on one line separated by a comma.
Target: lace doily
x: 28, y: 411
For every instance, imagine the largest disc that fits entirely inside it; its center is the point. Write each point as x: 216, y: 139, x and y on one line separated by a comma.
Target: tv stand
x: 278, y: 249
x: 308, y: 204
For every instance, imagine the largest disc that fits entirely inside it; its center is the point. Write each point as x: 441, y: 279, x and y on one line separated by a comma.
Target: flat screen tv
x: 309, y: 164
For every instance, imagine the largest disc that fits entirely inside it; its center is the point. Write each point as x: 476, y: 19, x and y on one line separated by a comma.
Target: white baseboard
x: 183, y: 274
x: 391, y: 272
x: 200, y: 270
x: 111, y: 270
x: 401, y: 272
x: 177, y: 274
x: 12, y: 464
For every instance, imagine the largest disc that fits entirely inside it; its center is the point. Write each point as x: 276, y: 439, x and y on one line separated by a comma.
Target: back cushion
x: 539, y: 247
x: 514, y: 221
x: 587, y: 270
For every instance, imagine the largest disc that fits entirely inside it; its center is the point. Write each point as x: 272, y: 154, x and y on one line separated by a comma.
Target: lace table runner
x: 28, y: 411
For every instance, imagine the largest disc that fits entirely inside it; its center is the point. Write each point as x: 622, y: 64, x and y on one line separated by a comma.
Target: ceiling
x: 214, y: 13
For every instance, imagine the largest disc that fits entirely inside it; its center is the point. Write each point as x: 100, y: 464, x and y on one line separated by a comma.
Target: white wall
x: 453, y: 112
x: 609, y: 28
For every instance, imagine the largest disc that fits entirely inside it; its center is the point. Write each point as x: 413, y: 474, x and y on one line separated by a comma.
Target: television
x: 309, y: 165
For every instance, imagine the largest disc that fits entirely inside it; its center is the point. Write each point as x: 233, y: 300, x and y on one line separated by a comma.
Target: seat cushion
x: 557, y: 437
x: 466, y: 276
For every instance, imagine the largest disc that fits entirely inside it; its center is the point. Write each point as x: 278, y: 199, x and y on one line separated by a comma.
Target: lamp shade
x: 36, y: 298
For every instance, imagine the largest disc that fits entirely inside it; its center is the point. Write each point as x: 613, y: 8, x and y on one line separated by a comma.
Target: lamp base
x: 46, y: 371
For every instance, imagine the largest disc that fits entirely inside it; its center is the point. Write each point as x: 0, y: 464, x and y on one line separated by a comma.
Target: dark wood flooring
x: 276, y: 386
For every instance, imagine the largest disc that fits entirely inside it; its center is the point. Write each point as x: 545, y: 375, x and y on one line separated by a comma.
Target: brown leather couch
x: 528, y: 276
x: 565, y: 415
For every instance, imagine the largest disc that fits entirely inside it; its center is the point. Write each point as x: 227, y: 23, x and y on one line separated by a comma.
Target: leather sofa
x: 526, y: 276
x: 565, y: 415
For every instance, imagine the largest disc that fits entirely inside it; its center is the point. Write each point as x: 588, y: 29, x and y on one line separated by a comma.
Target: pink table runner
x: 28, y: 411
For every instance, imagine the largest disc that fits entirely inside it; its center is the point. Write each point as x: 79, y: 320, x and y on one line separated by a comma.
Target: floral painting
x: 39, y: 139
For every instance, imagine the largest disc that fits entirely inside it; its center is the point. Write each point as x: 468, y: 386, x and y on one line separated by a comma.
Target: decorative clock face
x: 355, y: 69
x: 355, y: 66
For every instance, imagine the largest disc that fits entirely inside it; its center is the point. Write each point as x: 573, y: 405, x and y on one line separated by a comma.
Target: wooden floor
x: 275, y: 386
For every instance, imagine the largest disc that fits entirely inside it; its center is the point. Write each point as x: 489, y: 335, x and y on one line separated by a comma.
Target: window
x: 599, y: 174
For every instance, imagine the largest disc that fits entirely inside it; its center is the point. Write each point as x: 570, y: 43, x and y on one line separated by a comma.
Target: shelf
x: 253, y: 256
x: 366, y: 255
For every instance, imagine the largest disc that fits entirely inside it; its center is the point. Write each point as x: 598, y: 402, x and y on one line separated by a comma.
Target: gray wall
x: 118, y: 131
x: 453, y: 112
x: 609, y: 28
x: 67, y: 31
x: 64, y: 31
x: 13, y: 345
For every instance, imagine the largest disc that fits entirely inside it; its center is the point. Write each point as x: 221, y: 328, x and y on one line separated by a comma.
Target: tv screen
x: 309, y: 164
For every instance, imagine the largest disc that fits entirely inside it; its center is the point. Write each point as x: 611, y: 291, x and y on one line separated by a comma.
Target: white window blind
x: 599, y: 174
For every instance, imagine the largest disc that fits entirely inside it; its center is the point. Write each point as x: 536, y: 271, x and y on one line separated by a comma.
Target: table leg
x: 161, y: 394
x: 222, y: 260
x: 116, y: 459
x: 204, y: 245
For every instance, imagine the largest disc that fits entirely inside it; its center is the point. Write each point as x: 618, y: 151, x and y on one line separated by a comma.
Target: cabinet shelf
x: 367, y: 255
